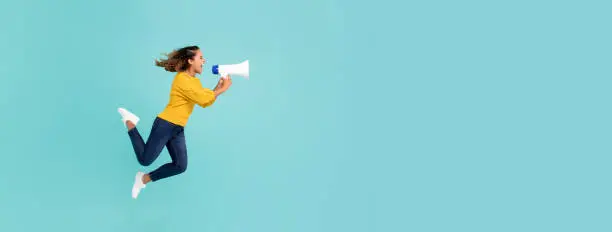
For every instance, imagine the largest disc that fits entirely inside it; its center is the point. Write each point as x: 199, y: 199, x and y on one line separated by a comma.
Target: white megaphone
x: 241, y: 69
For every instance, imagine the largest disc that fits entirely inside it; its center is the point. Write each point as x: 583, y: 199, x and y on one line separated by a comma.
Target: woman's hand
x: 227, y: 82
x: 219, y: 84
x: 223, y: 84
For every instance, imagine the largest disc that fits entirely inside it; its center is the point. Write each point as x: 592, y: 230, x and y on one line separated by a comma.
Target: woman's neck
x: 190, y: 73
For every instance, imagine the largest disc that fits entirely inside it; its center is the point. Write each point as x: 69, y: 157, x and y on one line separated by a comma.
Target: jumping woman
x: 168, y: 127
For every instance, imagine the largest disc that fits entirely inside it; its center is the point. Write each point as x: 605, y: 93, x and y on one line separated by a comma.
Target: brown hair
x: 178, y: 60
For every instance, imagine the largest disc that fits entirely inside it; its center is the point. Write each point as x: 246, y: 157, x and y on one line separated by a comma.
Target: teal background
x: 359, y: 116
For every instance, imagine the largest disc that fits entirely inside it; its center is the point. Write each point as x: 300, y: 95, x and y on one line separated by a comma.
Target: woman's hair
x: 178, y: 60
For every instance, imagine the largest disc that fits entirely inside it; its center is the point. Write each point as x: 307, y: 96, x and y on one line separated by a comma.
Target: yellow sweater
x: 186, y: 92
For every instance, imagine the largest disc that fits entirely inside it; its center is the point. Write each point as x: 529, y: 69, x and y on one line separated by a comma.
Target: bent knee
x: 181, y: 167
x: 145, y: 162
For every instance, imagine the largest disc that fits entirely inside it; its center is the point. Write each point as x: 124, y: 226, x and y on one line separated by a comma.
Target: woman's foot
x: 129, y: 119
x: 139, y: 184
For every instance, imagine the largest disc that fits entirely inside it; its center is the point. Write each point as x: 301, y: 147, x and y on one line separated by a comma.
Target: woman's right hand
x: 223, y: 84
x: 227, y: 82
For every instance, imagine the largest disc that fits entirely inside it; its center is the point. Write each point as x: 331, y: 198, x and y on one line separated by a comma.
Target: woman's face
x: 197, y: 62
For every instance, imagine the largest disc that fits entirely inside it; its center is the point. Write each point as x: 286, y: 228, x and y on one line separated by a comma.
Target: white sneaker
x: 128, y: 116
x: 138, y: 185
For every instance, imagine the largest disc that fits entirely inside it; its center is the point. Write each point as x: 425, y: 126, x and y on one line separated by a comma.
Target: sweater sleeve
x: 194, y: 92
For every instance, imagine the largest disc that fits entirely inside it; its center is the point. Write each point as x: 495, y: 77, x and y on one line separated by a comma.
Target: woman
x: 168, y: 127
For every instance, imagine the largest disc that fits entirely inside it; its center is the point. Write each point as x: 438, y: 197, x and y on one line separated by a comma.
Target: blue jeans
x: 163, y: 134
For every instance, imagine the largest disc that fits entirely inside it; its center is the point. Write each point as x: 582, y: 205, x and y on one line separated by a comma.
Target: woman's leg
x: 161, y: 132
x: 147, y: 152
x: 178, y: 152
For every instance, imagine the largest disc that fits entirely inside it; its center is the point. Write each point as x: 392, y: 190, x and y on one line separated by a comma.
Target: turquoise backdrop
x: 359, y: 116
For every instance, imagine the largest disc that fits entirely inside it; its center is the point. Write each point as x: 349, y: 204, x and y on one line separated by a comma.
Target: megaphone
x: 241, y: 69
